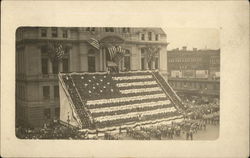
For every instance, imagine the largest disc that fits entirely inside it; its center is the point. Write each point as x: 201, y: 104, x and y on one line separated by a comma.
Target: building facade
x: 37, y: 92
x: 194, y: 72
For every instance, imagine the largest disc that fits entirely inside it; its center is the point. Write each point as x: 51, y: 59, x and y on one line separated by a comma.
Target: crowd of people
x: 196, y: 118
x: 52, y: 131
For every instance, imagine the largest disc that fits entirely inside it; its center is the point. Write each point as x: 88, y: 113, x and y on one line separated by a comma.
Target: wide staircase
x: 105, y: 101
x: 168, y: 90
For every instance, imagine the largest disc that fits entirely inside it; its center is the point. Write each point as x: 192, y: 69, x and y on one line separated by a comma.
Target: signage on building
x: 176, y: 73
x: 201, y: 73
x: 188, y: 73
x: 217, y: 74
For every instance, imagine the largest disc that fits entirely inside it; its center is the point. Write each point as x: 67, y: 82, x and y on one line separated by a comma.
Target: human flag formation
x: 116, y: 51
x: 94, y: 42
x: 115, y: 100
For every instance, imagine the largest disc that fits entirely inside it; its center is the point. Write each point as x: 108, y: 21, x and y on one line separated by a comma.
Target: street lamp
x: 68, y: 120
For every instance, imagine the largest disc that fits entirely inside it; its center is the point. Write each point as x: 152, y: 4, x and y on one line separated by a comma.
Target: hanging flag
x: 59, y: 51
x: 151, y: 52
x: 94, y: 42
x: 120, y: 53
x: 112, y: 52
x: 55, y: 50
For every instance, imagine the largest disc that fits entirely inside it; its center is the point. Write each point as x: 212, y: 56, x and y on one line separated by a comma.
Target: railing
x: 169, y: 91
x: 89, y: 122
x: 165, y: 91
x: 90, y: 118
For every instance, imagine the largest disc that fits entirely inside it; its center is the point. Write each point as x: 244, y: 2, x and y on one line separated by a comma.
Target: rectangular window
x: 43, y: 32
x: 157, y: 37
x: 125, y: 30
x: 57, y: 113
x: 46, y: 93
x: 142, y: 63
x: 55, y: 68
x: 127, y: 62
x: 65, y: 65
x: 150, y: 36
x: 93, y: 29
x: 46, y: 113
x: 65, y: 33
x: 54, y: 32
x: 88, y: 29
x: 56, y: 91
x: 109, y: 29
x: 143, y: 37
x: 156, y: 63
x: 45, y: 66
x: 44, y: 50
x: 142, y: 51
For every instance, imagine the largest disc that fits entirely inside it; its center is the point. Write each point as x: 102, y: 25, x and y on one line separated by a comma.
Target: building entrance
x: 91, y: 64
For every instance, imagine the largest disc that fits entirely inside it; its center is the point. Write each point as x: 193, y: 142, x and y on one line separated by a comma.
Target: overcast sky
x: 192, y: 38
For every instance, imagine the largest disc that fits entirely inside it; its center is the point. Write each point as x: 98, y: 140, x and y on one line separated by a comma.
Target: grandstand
x: 109, y: 101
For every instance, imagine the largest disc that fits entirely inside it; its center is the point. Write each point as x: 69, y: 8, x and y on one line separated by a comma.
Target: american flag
x: 55, y: 50
x: 116, y: 52
x: 122, y: 96
x: 151, y: 52
x: 94, y: 42
x: 59, y: 51
x: 112, y: 52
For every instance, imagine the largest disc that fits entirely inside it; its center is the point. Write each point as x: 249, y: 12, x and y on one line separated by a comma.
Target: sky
x: 192, y: 38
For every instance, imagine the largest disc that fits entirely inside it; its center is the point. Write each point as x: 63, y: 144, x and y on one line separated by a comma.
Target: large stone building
x: 37, y: 92
x: 194, y: 72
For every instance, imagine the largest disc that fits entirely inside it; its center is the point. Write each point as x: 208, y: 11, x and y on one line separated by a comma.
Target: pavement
x: 211, y: 133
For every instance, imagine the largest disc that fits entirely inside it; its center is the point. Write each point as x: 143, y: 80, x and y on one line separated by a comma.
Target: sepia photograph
x: 117, y: 83
x: 124, y: 79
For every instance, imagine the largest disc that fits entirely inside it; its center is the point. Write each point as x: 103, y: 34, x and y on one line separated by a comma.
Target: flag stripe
x: 124, y: 99
x: 130, y: 106
x: 135, y: 114
x: 128, y: 91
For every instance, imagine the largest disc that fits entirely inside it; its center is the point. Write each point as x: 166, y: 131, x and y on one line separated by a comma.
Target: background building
x: 194, y: 72
x: 37, y: 92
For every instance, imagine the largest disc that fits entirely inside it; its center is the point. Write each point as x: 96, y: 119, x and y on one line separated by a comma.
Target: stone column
x: 60, y: 65
x: 145, y: 63
x: 153, y: 65
x: 104, y: 60
x: 122, y: 64
x: 49, y: 66
x: 101, y: 60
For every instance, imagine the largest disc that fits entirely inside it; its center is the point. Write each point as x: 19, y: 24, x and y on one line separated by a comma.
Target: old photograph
x: 117, y: 83
x: 124, y: 79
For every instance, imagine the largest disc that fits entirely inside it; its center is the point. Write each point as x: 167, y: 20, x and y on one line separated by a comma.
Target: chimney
x: 184, y: 48
x: 194, y: 49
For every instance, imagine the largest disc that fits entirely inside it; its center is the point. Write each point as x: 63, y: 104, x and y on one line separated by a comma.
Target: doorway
x: 91, y: 64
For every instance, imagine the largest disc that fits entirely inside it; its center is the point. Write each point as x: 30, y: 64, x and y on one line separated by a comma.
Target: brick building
x: 194, y: 71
